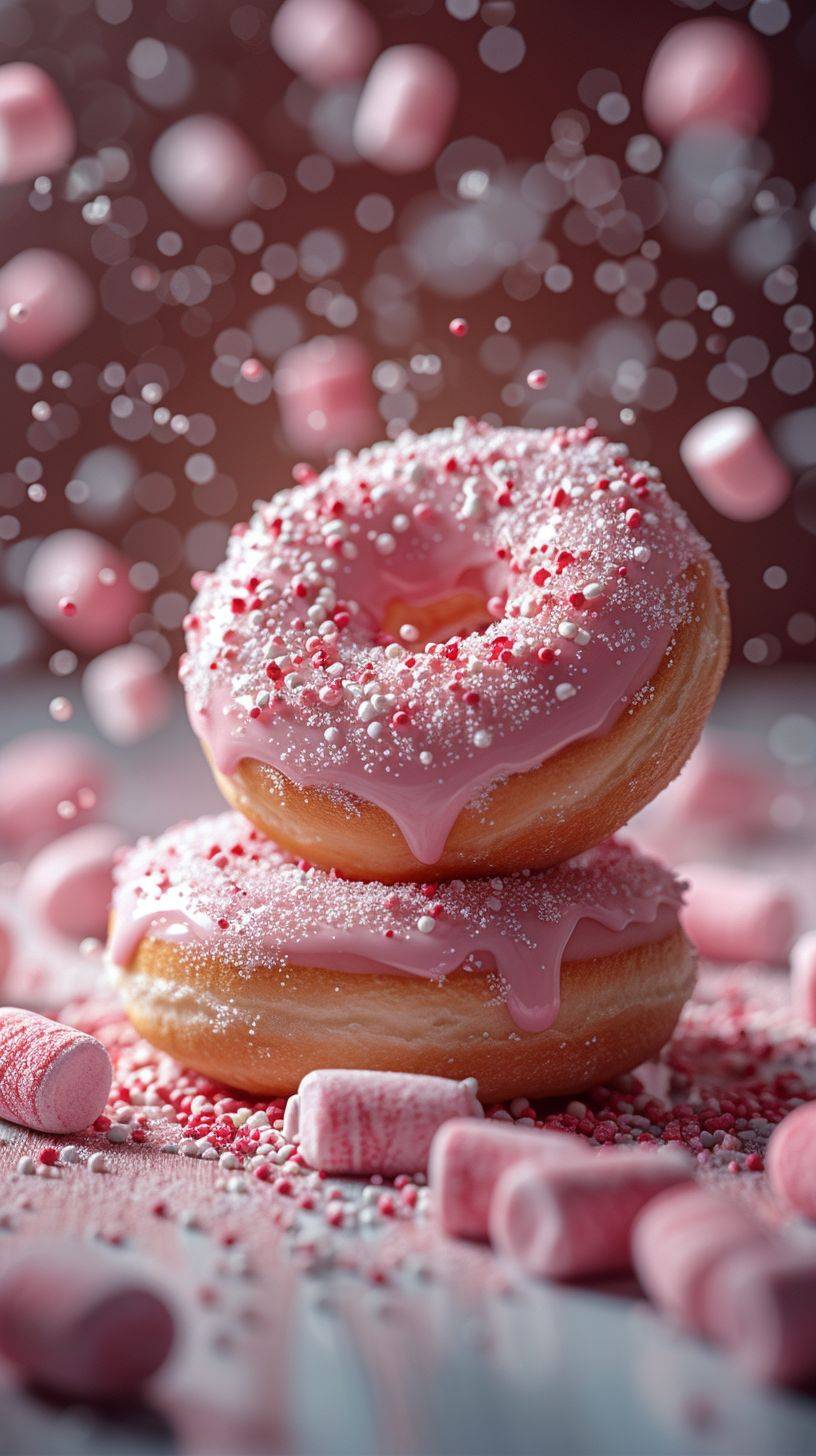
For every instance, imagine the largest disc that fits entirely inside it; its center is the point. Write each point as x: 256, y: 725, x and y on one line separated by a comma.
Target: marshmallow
x: 38, y: 773
x: 733, y: 464
x: 738, y: 915
x: 204, y: 166
x: 45, y: 301
x: 678, y: 1241
x: 328, y: 42
x: 78, y: 585
x: 791, y: 1161
x: 406, y: 108
x: 762, y: 1309
x: 69, y: 883
x: 373, y: 1122
x: 707, y: 72
x: 73, y: 1320
x: 36, y: 130
x: 726, y: 785
x: 803, y: 977
x: 6, y: 949
x: 468, y: 1159
x: 325, y: 395
x: 575, y: 1222
x: 52, y: 1078
x: 126, y: 693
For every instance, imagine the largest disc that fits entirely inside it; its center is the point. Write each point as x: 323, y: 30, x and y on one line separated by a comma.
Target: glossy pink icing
x: 216, y: 887
x: 577, y: 548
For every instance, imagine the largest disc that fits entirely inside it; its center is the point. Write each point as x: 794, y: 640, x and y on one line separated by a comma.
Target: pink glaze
x: 468, y: 1159
x: 204, y: 165
x: 74, y: 1320
x: 78, y: 584
x: 373, y: 1122
x: 791, y: 1161
x: 52, y: 1078
x: 36, y: 130
x: 68, y: 884
x: 218, y: 887
x: 803, y: 977
x: 126, y: 693
x: 328, y: 42
x: 45, y: 301
x: 739, y: 915
x: 762, y: 1308
x: 42, y: 774
x: 732, y: 462
x: 575, y: 1221
x: 707, y: 72
x: 325, y: 394
x: 406, y: 108
x: 679, y: 1240
x: 287, y: 662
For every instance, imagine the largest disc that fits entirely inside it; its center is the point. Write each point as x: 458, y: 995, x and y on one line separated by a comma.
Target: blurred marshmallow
x: 325, y: 395
x: 328, y: 42
x: 803, y: 977
x: 37, y: 134
x: 791, y: 1161
x: 204, y: 166
x: 52, y: 1078
x: 39, y: 772
x: 707, y: 72
x: 406, y: 108
x: 738, y: 915
x: 78, y: 585
x: 762, y: 1310
x: 45, y: 301
x: 68, y: 884
x: 6, y: 949
x: 126, y: 693
x: 724, y: 784
x: 732, y: 463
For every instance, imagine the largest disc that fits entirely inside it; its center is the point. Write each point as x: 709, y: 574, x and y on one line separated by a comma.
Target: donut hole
x: 460, y: 611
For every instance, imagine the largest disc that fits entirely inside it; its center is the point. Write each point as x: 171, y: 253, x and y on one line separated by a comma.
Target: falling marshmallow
x: 733, y: 464
x: 406, y: 108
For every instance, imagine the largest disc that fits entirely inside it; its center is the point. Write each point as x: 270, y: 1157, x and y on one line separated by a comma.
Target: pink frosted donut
x: 78, y: 584
x: 707, y: 72
x: 40, y: 773
x: 578, y: 634
x: 52, y: 1078
x: 328, y: 42
x: 45, y: 301
x: 258, y: 970
x: 204, y: 166
x: 68, y: 884
x: 406, y: 108
x: 36, y: 129
x: 126, y: 693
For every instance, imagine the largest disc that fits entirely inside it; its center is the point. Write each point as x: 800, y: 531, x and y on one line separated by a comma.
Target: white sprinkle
x: 332, y: 736
x: 409, y: 633
x: 642, y: 554
x: 375, y: 730
x: 26, y: 1165
x: 426, y: 924
x: 563, y: 691
x: 426, y: 758
x: 69, y: 1154
x: 482, y: 739
x: 568, y: 629
x: 97, y: 1163
x: 385, y: 543
x: 118, y: 1133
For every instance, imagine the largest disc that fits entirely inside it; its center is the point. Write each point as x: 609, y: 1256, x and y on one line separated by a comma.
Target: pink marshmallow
x: 733, y: 464
x: 52, y: 1078
x: 38, y: 773
x: 328, y: 42
x: 68, y: 885
x: 803, y: 977
x: 73, y: 1320
x: 707, y: 72
x: 6, y: 950
x: 78, y: 585
x: 126, y: 693
x: 762, y: 1309
x: 204, y: 166
x: 738, y: 915
x: 791, y: 1161
x: 373, y: 1122
x: 575, y: 1222
x: 468, y: 1159
x: 406, y: 108
x: 37, y: 134
x: 678, y: 1241
x: 726, y: 785
x: 45, y: 301
x: 325, y: 395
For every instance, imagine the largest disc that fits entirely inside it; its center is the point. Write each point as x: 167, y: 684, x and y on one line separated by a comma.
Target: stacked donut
x: 432, y: 682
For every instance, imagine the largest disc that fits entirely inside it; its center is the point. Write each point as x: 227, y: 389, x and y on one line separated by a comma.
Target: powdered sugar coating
x: 576, y: 549
x: 217, y: 887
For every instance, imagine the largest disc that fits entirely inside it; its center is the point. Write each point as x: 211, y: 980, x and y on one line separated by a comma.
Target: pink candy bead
x: 707, y: 72
x: 52, y: 1078
x: 762, y: 1310
x: 373, y: 1122
x: 406, y: 108
x: 39, y: 772
x: 468, y: 1159
x: 126, y: 693
x: 732, y: 463
x: 791, y: 1161
x: 803, y: 977
x: 677, y: 1243
x: 70, y: 882
x: 325, y: 395
x: 78, y: 584
x: 327, y: 42
x: 73, y: 1320
x: 45, y: 301
x: 738, y: 915
x: 36, y: 130
x: 204, y: 166
x: 575, y: 1222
